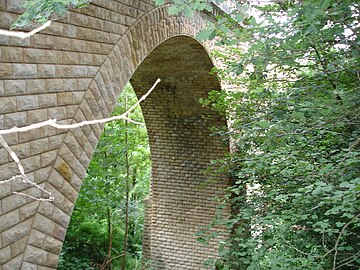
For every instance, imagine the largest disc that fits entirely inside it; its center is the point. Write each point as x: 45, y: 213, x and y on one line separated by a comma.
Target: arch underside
x: 181, y: 150
x: 111, y: 42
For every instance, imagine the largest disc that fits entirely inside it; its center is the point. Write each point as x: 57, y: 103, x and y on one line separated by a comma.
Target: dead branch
x: 23, y: 35
x: 53, y: 123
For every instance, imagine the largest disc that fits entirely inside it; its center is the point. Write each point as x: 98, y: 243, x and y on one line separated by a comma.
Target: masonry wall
x: 75, y: 71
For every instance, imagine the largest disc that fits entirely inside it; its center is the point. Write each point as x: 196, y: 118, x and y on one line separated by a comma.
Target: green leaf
x: 207, y: 34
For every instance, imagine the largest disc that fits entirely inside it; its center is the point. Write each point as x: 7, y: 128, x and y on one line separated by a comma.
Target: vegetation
x: 119, y: 169
x: 40, y: 11
x: 295, y: 123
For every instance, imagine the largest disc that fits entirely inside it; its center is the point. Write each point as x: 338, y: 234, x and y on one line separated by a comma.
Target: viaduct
x: 75, y: 70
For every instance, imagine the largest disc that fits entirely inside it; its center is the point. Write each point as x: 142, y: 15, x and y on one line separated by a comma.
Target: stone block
x: 48, y: 158
x: 70, y: 58
x: 46, y: 71
x: 36, y: 238
x: 59, y: 232
x: 16, y: 41
x: 42, y: 174
x: 24, y: 71
x: 14, y: 87
x: 58, y: 113
x: 11, y: 54
x: 70, y: 31
x: 6, y: 19
x: 69, y: 191
x: 29, y: 266
x: 56, y: 29
x: 52, y: 244
x: 16, y: 233
x: 22, y: 150
x: 32, y: 163
x: 46, y: 209
x: 55, y: 141
x: 2, y: 91
x: 43, y: 224
x: 14, y: 6
x: 8, y: 220
x: 53, y: 56
x: 4, y: 40
x: 47, y: 100
x: 14, y: 264
x: 60, y: 217
x: 83, y: 83
x: 2, y: 4
x: 28, y: 210
x: 5, y: 255
x: 42, y: 41
x: 35, y: 86
x: 77, y: 45
x: 54, y: 85
x: 35, y: 255
x: 70, y: 85
x: 7, y: 104
x: 29, y: 135
x: 65, y: 98
x: 18, y: 247
x: 86, y: 59
x: 52, y: 260
x: 34, y: 55
x: 5, y: 70
x: 26, y: 102
x: 68, y: 206
x: 4, y: 156
x: 37, y: 116
x: 39, y: 146
x: 15, y: 119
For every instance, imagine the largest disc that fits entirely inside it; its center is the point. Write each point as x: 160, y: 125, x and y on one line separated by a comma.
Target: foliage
x: 101, y: 200
x: 295, y: 123
x: 40, y: 11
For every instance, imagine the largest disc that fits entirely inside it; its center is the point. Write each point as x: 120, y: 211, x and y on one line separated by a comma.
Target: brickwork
x: 74, y: 71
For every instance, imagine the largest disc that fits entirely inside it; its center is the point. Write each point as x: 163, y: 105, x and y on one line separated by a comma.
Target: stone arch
x: 184, y: 146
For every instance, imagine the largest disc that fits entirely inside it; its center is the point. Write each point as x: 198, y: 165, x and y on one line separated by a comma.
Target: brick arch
x: 181, y: 146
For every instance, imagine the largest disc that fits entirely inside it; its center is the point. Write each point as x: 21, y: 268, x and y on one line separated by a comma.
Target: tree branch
x: 23, y: 35
x: 22, y: 175
x: 53, y: 123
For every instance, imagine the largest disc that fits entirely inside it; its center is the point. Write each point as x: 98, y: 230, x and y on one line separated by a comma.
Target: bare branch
x: 53, y: 122
x: 23, y: 35
x: 22, y: 175
x: 338, y: 239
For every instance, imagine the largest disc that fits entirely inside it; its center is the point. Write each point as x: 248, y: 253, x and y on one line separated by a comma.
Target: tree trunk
x: 127, y: 191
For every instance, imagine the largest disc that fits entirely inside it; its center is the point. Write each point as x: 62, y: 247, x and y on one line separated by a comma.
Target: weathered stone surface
x: 14, y: 87
x: 14, y: 264
x: 16, y: 233
x: 5, y: 255
x: 11, y: 55
x: 8, y: 220
x: 18, y: 247
x: 35, y: 255
x: 24, y: 71
x: 12, y: 202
